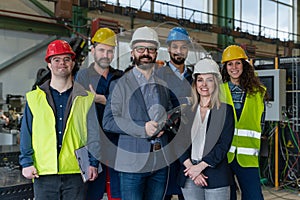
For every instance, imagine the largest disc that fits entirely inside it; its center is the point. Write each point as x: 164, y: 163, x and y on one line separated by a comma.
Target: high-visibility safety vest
x: 246, y: 140
x: 44, y: 139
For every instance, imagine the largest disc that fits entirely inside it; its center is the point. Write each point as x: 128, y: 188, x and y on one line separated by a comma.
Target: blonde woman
x: 205, y: 171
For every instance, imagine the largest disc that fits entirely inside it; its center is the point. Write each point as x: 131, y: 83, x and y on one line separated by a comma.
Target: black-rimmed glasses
x: 142, y: 49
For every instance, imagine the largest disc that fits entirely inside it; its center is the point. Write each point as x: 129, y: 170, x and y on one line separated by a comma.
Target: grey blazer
x: 126, y: 114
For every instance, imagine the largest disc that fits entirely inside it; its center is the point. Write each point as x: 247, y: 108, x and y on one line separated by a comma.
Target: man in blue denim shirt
x: 136, y: 104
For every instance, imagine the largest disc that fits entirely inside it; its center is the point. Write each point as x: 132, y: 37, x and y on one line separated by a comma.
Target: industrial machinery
x: 13, y: 184
x: 279, y: 161
x: 275, y: 81
x: 10, y: 120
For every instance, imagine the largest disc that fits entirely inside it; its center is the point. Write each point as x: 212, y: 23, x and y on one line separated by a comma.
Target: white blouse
x: 198, y: 134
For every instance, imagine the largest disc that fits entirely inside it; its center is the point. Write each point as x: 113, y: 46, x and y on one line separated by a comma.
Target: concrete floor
x: 273, y: 194
x: 269, y: 194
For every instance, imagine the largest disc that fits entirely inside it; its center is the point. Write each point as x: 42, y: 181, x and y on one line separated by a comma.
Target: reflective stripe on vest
x: 245, y: 151
x: 247, y: 133
x: 232, y: 149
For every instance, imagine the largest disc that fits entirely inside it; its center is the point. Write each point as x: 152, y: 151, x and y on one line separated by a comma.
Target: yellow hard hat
x: 105, y: 36
x: 233, y: 52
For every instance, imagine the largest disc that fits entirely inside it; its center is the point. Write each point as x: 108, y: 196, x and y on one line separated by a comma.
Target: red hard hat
x: 58, y: 47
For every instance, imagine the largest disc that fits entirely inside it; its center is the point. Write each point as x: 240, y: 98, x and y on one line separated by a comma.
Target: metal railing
x: 201, y: 17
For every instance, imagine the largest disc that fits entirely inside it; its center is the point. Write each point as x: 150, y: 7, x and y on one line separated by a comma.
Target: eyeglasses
x: 142, y: 49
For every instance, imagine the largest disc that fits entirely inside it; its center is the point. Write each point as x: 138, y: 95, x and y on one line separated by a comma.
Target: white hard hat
x: 144, y: 34
x: 207, y: 66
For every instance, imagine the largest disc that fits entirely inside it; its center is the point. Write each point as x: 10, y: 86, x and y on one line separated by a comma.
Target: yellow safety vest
x: 246, y: 140
x: 44, y: 139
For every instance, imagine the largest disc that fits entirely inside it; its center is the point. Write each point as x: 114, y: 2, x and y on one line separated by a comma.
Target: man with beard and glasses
x: 137, y: 104
x: 97, y: 78
x: 179, y: 78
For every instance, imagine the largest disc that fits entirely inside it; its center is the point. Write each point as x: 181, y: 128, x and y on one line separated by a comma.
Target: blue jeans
x: 143, y: 186
x: 56, y: 187
x: 249, y: 182
x: 193, y: 192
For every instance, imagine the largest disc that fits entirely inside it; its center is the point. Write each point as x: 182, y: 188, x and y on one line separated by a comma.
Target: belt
x: 155, y: 146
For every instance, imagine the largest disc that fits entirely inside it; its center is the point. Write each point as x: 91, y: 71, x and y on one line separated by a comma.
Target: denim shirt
x: 150, y: 95
x: 238, y: 98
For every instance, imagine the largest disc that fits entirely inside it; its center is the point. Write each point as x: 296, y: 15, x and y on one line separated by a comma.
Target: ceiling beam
x: 33, y: 26
x: 26, y: 53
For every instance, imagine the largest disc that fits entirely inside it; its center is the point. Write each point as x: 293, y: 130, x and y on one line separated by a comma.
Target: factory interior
x: 268, y: 30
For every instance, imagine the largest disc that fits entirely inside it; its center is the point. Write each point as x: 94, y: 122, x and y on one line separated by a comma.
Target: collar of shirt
x: 177, y: 72
x: 141, y: 78
x: 237, y: 93
x: 55, y: 92
x: 234, y: 88
x: 95, y: 73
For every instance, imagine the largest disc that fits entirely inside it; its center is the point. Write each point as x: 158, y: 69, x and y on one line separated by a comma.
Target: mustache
x: 178, y: 54
x: 104, y: 59
x: 145, y: 56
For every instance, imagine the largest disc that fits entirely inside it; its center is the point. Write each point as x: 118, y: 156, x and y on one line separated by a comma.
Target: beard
x: 178, y: 59
x: 142, y: 64
x: 103, y: 63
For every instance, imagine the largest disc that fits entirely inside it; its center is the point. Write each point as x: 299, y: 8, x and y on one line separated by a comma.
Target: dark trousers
x: 59, y: 187
x: 249, y: 182
x: 173, y: 188
x: 96, y: 188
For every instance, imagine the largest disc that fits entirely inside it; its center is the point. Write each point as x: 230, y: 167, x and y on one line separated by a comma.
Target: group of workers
x: 120, y: 117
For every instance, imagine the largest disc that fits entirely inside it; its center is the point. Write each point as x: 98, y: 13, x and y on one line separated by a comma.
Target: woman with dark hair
x: 244, y: 91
